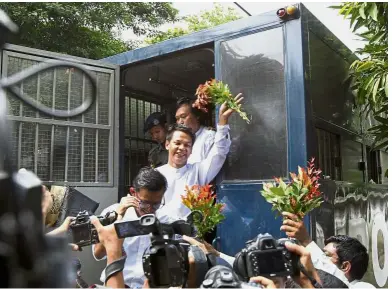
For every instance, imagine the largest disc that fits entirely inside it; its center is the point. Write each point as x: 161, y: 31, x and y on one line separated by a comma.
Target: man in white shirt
x: 179, y: 173
x: 149, y: 187
x: 343, y: 256
x: 193, y: 118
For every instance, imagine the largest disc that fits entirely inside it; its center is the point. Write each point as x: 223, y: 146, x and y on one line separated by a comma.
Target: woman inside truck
x: 195, y: 119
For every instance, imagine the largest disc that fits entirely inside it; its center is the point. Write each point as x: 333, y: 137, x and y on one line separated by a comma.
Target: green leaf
x: 375, y: 89
x: 381, y: 146
x: 362, y: 11
x: 381, y: 119
x: 277, y: 191
x: 373, y: 11
x: 364, y: 66
x: 386, y: 87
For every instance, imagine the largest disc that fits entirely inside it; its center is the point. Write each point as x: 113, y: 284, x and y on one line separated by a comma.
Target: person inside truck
x: 343, y: 256
x: 179, y: 173
x: 155, y: 124
x: 194, y: 118
x: 150, y: 186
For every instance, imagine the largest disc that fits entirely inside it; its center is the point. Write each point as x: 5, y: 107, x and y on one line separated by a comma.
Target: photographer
x: 149, y: 187
x: 343, y: 256
x: 305, y: 260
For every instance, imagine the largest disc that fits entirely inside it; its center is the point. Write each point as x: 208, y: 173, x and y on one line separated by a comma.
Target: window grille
x: 137, y: 143
x: 75, y: 151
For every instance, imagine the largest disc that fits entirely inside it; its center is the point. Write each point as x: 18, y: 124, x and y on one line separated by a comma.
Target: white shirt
x: 359, y: 284
x: 134, y: 247
x: 201, y: 173
x: 202, y: 146
x: 322, y: 262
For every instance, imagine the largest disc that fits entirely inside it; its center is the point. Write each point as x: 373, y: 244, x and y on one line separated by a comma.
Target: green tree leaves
x: 85, y: 29
x: 204, y: 20
x: 369, y: 76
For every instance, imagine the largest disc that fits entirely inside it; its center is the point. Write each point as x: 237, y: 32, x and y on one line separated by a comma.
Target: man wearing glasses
x: 148, y: 189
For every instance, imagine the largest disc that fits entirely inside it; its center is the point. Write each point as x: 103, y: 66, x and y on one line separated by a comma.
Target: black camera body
x: 84, y: 233
x: 165, y: 261
x: 264, y: 256
x: 223, y: 277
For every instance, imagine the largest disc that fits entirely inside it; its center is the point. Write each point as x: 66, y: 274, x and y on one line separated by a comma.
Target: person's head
x: 148, y: 187
x: 188, y: 115
x: 179, y: 142
x: 156, y: 125
x: 348, y: 254
x: 329, y: 280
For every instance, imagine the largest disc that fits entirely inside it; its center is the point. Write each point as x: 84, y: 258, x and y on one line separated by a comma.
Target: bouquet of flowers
x: 216, y: 92
x: 300, y: 196
x: 201, y: 198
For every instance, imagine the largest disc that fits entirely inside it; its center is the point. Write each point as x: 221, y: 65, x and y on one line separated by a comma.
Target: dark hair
x: 351, y: 250
x: 196, y: 112
x: 149, y: 179
x: 330, y: 281
x: 179, y: 127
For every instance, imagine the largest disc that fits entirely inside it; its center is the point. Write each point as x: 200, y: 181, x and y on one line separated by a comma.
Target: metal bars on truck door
x: 75, y: 151
x: 137, y: 144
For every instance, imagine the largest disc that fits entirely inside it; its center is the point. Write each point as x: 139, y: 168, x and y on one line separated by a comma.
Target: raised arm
x: 210, y: 167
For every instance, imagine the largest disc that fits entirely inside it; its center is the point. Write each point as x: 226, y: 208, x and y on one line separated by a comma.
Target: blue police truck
x: 291, y: 70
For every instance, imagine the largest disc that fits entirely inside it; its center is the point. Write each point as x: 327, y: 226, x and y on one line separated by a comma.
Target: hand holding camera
x: 84, y: 233
x: 307, y: 271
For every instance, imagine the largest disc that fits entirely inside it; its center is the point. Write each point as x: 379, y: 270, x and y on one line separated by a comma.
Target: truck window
x: 254, y: 65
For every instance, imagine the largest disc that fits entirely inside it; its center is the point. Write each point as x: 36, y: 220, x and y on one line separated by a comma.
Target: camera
x: 264, y: 256
x: 165, y: 261
x: 224, y: 277
x: 84, y: 233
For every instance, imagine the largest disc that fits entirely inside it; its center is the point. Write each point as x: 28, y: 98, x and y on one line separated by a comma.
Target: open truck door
x: 82, y: 151
x: 265, y: 64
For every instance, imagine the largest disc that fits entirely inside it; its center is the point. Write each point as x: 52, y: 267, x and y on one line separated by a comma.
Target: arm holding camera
x: 307, y: 265
x: 62, y: 229
x: 127, y: 202
x: 113, y: 249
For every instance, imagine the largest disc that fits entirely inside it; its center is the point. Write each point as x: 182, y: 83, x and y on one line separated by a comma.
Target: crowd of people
x: 189, y: 153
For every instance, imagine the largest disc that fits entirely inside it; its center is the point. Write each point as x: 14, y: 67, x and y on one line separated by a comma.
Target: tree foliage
x: 369, y: 76
x: 206, y: 19
x: 86, y: 29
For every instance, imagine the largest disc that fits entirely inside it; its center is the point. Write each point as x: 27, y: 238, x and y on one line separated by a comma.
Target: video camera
x: 264, y: 256
x: 224, y: 277
x: 84, y: 233
x: 165, y: 261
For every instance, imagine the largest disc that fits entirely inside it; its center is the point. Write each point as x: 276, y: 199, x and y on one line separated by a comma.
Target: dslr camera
x: 264, y: 256
x: 165, y: 261
x: 84, y: 233
x: 223, y: 277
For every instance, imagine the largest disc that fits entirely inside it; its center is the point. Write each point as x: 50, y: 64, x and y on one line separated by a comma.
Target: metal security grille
x: 76, y: 151
x: 137, y: 144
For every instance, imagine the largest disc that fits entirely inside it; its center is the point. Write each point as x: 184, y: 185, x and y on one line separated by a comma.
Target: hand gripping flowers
x: 299, y: 197
x: 216, y: 92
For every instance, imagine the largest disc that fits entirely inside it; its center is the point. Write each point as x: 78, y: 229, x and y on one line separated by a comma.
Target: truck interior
x: 156, y: 85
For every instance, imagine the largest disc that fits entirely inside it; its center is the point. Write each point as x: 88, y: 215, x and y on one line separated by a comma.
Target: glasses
x: 146, y: 205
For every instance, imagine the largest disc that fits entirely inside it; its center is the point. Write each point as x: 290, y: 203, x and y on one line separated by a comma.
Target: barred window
x: 76, y: 150
x: 137, y: 143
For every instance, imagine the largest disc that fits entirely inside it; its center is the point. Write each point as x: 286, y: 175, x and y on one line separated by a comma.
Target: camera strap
x: 311, y: 279
x: 114, y: 268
